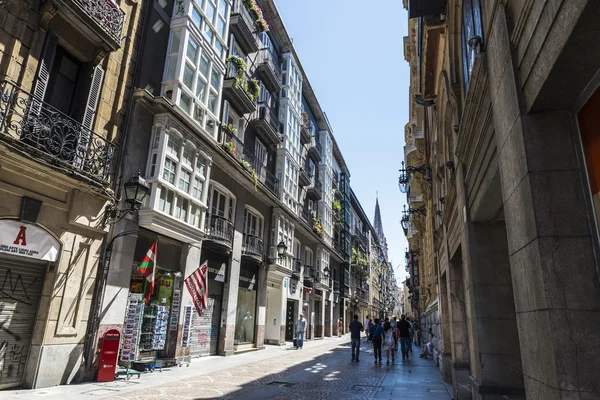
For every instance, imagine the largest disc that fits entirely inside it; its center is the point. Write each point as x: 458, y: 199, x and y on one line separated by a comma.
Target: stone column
x: 445, y: 330
x: 261, y: 308
x: 283, y: 311
x: 459, y: 346
x: 491, y: 320
x: 231, y: 287
x: 550, y: 240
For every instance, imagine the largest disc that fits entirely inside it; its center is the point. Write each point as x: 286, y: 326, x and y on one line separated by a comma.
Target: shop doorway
x: 289, y: 320
x: 21, y: 282
x: 317, y: 322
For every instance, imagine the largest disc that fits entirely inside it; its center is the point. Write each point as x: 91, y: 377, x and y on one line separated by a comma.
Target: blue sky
x: 352, y: 53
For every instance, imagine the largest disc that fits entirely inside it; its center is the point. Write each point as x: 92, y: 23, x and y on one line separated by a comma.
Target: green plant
x: 231, y: 129
x: 318, y: 227
x: 230, y: 148
x: 240, y: 68
x: 336, y: 206
x: 246, y: 165
x: 253, y: 89
x: 255, y: 178
x: 259, y: 20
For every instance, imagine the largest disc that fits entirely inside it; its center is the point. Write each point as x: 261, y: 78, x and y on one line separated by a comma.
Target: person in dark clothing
x: 404, y: 328
x: 355, y: 329
x: 377, y: 334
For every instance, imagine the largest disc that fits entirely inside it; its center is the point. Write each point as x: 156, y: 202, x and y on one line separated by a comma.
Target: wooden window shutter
x: 93, y: 97
x: 44, y: 69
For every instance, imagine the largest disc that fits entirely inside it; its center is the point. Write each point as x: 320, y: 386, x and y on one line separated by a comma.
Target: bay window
x: 196, y: 60
x: 177, y: 173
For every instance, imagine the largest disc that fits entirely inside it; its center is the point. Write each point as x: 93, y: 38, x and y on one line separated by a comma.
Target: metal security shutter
x: 205, y: 328
x: 21, y: 282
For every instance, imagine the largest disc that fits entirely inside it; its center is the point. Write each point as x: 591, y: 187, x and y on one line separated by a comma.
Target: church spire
x: 377, y: 224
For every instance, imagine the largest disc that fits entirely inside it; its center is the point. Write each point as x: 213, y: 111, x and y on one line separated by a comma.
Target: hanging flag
x: 197, y: 285
x: 147, y: 268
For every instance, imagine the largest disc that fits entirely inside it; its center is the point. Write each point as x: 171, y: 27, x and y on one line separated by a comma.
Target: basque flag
x: 147, y: 268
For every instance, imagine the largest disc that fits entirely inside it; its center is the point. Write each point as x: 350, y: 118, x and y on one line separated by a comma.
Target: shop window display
x: 245, y: 318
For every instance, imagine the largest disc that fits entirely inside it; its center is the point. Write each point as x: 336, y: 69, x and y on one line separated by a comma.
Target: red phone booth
x: 108, y: 356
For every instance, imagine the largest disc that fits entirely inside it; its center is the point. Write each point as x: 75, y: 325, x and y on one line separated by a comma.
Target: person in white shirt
x: 300, y: 331
x: 367, y: 326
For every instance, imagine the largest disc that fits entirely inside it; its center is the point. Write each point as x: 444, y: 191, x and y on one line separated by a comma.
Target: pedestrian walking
x: 404, y: 329
x: 388, y: 341
x: 376, y: 337
x: 367, y: 327
x: 412, y: 333
x: 340, y: 325
x: 355, y: 329
x: 300, y: 331
x: 395, y: 335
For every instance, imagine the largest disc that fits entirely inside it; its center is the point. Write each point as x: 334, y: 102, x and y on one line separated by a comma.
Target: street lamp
x: 135, y: 190
x: 281, y: 250
x: 405, y: 173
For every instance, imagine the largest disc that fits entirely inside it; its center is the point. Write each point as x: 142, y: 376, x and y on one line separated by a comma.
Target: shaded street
x: 322, y: 370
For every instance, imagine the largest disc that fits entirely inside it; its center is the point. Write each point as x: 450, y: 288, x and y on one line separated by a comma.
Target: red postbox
x: 108, y: 356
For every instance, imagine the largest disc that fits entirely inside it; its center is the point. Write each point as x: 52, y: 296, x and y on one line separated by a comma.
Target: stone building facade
x: 507, y: 95
x: 66, y: 74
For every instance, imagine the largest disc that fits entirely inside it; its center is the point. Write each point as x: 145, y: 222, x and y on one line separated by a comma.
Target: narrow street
x: 322, y: 370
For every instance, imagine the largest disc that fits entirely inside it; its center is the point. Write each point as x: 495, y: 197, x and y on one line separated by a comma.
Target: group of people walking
x: 386, y: 337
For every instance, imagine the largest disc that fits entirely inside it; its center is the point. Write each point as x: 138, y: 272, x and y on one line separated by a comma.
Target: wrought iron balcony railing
x: 245, y: 156
x: 253, y: 246
x: 297, y: 266
x: 219, y: 229
x: 107, y: 14
x: 29, y: 122
x: 268, y: 114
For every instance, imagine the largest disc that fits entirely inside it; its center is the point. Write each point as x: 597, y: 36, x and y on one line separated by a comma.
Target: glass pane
x: 184, y: 207
x: 208, y: 33
x: 200, y: 87
x: 222, y: 7
x: 169, y: 171
x: 215, y: 78
x: 197, y: 192
x: 198, y: 113
x: 196, y: 18
x: 173, y: 145
x: 169, y: 202
x: 204, y: 65
x: 221, y: 27
x: 221, y: 205
x: 175, y: 41
x: 218, y: 47
x: 171, y: 69
x: 200, y: 165
x: 188, y: 155
x: 212, y: 102
x: 186, y: 103
x: 192, y: 51
x: 188, y: 76
x: 210, y: 11
x: 184, y: 181
x: 162, y: 199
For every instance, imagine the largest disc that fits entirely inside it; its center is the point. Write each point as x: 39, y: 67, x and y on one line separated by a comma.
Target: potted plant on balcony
x: 337, y: 207
x: 318, y: 227
x: 230, y: 148
x: 259, y: 21
x: 246, y: 165
x: 240, y: 69
x: 253, y: 89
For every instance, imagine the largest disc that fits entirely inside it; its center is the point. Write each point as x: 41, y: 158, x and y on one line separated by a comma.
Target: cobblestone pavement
x: 324, y: 372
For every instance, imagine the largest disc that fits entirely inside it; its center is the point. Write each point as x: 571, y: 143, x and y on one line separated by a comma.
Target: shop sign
x: 165, y: 291
x: 248, y: 278
x: 217, y: 272
x: 26, y: 240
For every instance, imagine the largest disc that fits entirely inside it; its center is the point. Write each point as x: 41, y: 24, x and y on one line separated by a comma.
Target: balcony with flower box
x: 268, y: 69
x: 238, y: 88
x: 266, y: 122
x: 51, y: 137
x: 99, y: 21
x: 256, y: 170
x: 243, y: 25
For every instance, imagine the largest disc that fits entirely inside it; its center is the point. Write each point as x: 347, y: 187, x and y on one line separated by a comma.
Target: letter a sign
x: 26, y: 240
x: 21, y: 238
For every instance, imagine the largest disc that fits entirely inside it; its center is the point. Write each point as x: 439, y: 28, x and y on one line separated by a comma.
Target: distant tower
x: 378, y: 226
